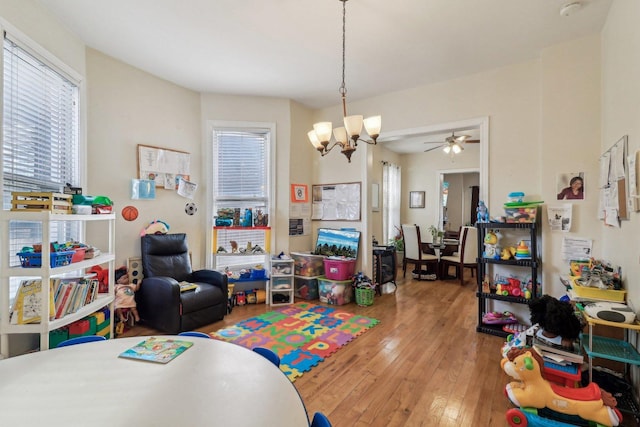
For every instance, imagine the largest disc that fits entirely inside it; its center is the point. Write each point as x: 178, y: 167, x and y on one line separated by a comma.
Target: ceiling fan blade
x: 472, y: 141
x: 433, y: 148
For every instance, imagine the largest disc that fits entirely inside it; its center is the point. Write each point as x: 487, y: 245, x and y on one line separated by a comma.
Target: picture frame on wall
x: 416, y: 199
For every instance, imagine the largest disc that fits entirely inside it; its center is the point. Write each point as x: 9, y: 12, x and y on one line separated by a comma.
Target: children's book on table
x: 157, y: 349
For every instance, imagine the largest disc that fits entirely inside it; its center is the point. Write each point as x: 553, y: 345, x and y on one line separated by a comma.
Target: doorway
x: 459, y: 195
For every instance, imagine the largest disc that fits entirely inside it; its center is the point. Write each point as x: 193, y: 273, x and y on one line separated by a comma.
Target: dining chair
x: 413, y: 252
x: 466, y: 257
x: 320, y: 420
x: 81, y: 340
x: 268, y: 354
x: 194, y: 334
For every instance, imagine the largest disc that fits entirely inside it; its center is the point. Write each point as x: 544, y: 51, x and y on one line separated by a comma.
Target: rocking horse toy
x: 541, y: 403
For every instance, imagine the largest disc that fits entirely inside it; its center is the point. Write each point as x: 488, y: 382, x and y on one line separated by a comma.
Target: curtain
x: 390, y: 200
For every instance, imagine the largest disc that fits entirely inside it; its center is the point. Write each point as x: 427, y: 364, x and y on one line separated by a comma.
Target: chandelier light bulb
x: 340, y: 134
x: 323, y: 131
x: 314, y: 139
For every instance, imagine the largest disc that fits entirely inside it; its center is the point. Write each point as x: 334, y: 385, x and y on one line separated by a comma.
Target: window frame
x: 212, y: 125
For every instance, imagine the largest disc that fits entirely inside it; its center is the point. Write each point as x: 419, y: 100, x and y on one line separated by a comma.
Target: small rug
x: 302, y: 334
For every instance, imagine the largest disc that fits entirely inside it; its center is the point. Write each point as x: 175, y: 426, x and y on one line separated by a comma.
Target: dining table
x: 212, y: 383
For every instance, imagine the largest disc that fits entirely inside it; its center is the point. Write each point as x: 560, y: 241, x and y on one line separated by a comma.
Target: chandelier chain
x: 343, y: 88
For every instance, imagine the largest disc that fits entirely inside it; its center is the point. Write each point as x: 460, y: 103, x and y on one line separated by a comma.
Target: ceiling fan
x: 453, y: 144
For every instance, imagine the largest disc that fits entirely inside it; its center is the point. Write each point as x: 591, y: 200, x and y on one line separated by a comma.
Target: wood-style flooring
x: 422, y: 365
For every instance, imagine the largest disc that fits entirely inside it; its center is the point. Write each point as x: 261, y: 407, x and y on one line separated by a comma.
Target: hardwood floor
x: 422, y: 365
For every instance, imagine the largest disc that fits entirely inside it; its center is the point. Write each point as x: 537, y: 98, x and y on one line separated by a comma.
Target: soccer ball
x: 190, y: 208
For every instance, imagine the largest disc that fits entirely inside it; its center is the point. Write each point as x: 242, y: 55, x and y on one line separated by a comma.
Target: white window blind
x: 241, y: 174
x: 40, y: 138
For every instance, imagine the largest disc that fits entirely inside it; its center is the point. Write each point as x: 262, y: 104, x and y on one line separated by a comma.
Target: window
x: 40, y: 138
x: 391, y: 185
x: 241, y: 182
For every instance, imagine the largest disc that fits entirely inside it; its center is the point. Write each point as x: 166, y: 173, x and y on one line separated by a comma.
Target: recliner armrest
x: 212, y: 277
x: 161, y: 287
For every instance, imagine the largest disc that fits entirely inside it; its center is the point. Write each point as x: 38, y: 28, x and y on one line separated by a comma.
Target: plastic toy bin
x: 34, y: 259
x: 335, y: 292
x: 339, y: 269
x: 308, y: 265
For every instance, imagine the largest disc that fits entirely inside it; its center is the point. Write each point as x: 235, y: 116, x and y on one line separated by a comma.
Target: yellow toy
x: 533, y: 391
x: 508, y: 253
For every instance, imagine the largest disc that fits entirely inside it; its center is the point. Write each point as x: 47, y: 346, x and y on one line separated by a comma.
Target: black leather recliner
x: 165, y: 263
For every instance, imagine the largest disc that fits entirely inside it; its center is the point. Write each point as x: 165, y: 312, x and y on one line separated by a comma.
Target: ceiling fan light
x: 372, y: 125
x: 446, y: 149
x: 313, y: 138
x: 340, y: 134
x: 456, y: 148
x: 323, y: 131
x: 353, y: 125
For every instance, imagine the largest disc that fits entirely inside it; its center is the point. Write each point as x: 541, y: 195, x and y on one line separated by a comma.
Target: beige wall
x: 128, y: 107
x: 621, y: 116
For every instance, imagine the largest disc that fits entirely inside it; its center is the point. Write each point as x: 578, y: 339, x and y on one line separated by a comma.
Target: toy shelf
x: 489, y: 266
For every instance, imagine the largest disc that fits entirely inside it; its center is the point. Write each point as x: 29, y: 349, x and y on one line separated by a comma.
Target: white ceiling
x: 292, y: 48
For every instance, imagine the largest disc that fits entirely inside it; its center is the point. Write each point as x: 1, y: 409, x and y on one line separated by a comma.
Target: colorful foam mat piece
x: 302, y: 334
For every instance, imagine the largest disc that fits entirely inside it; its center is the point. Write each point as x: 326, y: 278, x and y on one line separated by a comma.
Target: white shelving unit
x: 46, y: 272
x: 281, y: 281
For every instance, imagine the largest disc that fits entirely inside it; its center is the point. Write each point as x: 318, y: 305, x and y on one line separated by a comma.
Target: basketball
x: 129, y: 213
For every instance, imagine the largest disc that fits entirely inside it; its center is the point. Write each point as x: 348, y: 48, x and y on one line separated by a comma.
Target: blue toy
x: 482, y: 212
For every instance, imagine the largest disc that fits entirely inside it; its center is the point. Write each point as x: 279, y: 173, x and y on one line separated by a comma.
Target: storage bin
x: 339, y: 269
x: 308, y: 265
x: 364, y: 296
x: 598, y: 294
x: 306, y: 287
x: 335, y: 292
x: 515, y: 215
x: 34, y: 259
x: 258, y: 274
x: 78, y: 255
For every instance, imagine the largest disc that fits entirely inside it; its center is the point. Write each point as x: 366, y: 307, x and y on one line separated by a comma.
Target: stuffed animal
x: 556, y: 319
x: 531, y: 390
x: 155, y: 227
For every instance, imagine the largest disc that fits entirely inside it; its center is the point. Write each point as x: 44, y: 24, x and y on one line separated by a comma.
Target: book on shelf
x: 558, y: 353
x: 187, y: 286
x: 27, y: 305
x: 157, y: 349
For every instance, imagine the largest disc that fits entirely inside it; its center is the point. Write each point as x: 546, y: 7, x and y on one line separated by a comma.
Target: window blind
x: 241, y: 177
x: 40, y: 139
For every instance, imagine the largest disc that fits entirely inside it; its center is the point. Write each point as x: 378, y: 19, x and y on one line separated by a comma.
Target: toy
x: 531, y: 390
x: 129, y: 213
x: 522, y: 251
x: 556, y: 319
x: 482, y: 212
x: 155, y: 227
x: 508, y: 253
x: 125, y: 302
x: 497, y: 318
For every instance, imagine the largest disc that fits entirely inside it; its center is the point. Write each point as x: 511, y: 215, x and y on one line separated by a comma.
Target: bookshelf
x: 46, y: 272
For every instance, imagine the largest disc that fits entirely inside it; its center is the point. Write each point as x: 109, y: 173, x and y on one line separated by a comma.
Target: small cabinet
x: 487, y: 267
x: 280, y: 286
x: 384, y: 266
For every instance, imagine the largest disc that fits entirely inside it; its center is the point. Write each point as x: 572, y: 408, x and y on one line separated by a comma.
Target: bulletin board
x: 615, y: 194
x: 336, y: 202
x: 163, y: 166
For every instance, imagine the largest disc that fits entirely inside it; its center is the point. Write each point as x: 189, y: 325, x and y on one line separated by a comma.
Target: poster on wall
x: 336, y: 202
x: 165, y: 167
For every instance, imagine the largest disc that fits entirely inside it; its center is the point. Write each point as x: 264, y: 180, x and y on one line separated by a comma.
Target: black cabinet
x: 532, y: 267
x: 384, y: 266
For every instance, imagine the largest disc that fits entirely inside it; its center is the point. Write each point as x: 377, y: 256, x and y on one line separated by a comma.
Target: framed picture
x: 416, y: 199
x: 299, y: 193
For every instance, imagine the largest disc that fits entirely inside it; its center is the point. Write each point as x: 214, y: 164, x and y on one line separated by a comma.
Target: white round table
x: 213, y: 383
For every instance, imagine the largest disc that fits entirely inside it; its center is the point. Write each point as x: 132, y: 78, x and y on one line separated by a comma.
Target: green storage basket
x: 364, y: 296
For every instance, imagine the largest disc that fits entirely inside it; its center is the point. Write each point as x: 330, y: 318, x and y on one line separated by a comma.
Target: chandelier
x: 346, y: 136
